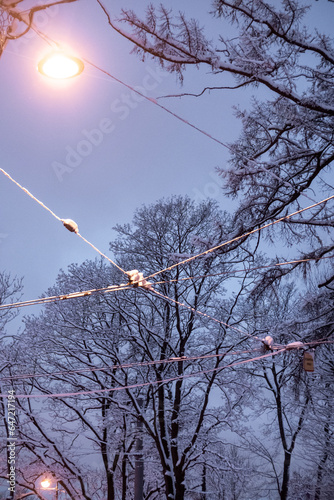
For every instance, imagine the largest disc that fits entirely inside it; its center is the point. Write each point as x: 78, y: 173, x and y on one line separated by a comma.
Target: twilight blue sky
x: 119, y: 153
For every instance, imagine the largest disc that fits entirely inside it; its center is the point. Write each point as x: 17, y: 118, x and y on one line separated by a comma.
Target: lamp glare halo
x: 60, y: 66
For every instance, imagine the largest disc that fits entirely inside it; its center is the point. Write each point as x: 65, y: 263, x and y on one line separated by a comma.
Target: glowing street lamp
x: 60, y: 65
x: 45, y: 484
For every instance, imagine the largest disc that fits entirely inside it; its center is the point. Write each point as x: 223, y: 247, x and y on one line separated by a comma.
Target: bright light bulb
x: 60, y: 66
x: 45, y: 483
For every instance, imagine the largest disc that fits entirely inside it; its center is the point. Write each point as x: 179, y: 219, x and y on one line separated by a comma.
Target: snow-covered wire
x: 145, y: 384
x: 237, y: 238
x: 244, y: 270
x: 124, y: 366
x: 115, y: 288
x: 61, y: 220
x: 29, y: 194
x: 62, y: 297
x: 272, y: 353
x: 301, y: 345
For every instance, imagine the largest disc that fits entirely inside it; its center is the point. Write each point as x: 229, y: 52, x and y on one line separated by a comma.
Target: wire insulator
x: 70, y: 225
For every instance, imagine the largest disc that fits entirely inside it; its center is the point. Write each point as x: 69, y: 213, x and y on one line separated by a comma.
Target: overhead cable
x: 176, y: 359
x: 115, y: 288
x: 144, y: 384
x: 62, y: 297
x: 123, y: 366
x: 68, y: 223
x: 237, y: 238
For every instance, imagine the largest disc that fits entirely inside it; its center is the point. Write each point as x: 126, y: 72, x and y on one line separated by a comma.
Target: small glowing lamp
x: 45, y: 483
x: 59, y: 65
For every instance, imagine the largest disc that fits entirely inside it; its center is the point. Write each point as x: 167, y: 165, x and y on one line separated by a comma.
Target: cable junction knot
x: 268, y: 343
x: 137, y: 280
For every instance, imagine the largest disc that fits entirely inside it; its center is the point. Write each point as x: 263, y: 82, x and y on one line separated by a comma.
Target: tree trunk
x: 109, y: 474
x: 179, y: 484
x: 203, y: 494
x: 169, y: 486
x: 286, y: 475
x: 124, y: 476
x: 317, y: 494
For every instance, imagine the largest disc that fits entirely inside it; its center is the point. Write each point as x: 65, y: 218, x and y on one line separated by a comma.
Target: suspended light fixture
x: 60, y: 65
